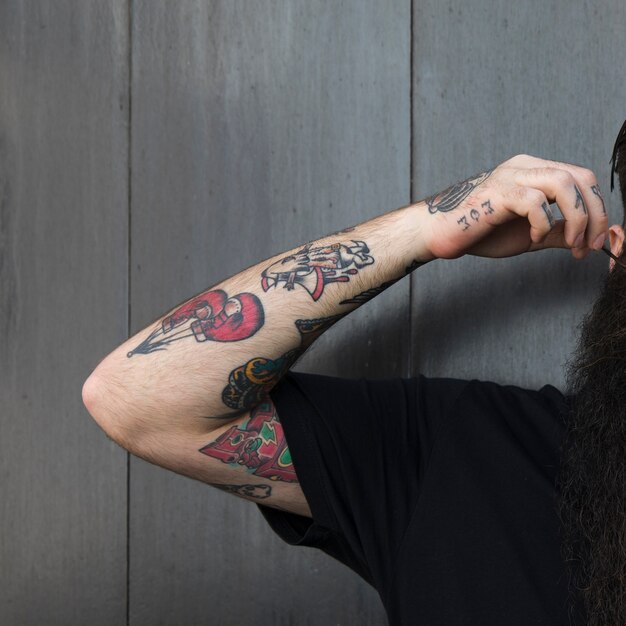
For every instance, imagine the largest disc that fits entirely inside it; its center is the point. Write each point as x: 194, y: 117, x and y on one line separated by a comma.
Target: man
x: 442, y: 493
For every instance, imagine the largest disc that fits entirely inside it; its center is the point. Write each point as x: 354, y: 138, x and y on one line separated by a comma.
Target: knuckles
x: 526, y: 195
x: 588, y: 177
x: 562, y: 177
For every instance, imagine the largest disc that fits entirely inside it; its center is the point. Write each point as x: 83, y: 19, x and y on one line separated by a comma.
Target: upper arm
x: 247, y: 456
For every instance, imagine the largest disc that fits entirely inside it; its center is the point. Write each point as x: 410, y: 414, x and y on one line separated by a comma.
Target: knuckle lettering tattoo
x: 580, y: 201
x: 596, y: 192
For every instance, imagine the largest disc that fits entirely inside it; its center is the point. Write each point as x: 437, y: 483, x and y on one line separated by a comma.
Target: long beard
x: 592, y: 477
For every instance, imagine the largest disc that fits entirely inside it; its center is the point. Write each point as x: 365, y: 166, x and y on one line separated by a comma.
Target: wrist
x: 415, y: 224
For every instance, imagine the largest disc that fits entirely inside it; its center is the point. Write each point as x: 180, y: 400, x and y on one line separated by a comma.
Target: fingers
x: 577, y: 194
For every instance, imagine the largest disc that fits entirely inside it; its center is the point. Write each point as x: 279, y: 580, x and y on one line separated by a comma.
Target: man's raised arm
x: 218, y: 354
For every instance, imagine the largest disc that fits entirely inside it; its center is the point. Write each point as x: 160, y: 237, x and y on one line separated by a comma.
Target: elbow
x: 104, y: 405
x: 90, y: 394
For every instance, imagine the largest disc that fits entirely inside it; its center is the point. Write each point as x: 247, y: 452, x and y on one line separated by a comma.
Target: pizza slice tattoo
x: 313, y: 267
x: 210, y: 316
x: 258, y: 444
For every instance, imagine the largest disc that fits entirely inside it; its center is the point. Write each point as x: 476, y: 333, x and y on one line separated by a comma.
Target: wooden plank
x: 490, y: 82
x: 256, y: 128
x: 63, y: 306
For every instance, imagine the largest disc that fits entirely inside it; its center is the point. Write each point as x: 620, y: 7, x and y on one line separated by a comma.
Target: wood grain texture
x: 491, y: 81
x: 254, y: 130
x: 63, y: 305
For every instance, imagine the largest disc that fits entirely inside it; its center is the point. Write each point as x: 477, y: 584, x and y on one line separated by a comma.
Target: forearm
x: 220, y: 352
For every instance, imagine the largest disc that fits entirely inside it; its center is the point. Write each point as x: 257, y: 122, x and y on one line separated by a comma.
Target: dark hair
x: 618, y: 166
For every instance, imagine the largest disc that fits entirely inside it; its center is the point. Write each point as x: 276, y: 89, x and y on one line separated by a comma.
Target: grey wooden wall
x: 149, y: 149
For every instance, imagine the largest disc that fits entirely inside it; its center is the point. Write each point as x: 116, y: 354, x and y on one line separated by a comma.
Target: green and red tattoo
x: 258, y: 444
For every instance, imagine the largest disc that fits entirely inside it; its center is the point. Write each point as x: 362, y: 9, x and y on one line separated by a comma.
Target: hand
x: 506, y: 211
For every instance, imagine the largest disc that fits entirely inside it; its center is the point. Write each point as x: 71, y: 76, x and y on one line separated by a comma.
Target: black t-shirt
x: 438, y: 492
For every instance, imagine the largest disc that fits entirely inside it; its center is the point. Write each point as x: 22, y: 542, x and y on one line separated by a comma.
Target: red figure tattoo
x: 258, y: 444
x: 314, y: 267
x: 211, y: 316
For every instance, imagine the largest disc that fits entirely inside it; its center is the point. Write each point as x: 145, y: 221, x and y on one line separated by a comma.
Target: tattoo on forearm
x: 451, y: 198
x: 548, y: 211
x: 368, y: 294
x: 596, y: 191
x: 310, y: 330
x: 258, y: 492
x: 580, y: 201
x: 250, y: 383
x: 314, y: 267
x: 211, y: 316
x: 258, y: 444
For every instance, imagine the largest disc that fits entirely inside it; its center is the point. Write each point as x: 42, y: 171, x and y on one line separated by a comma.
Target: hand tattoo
x: 580, y: 201
x: 451, y: 198
x: 596, y: 191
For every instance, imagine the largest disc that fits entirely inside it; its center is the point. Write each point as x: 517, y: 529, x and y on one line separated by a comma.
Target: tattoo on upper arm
x: 313, y: 267
x: 451, y: 198
x: 258, y: 444
x: 210, y: 316
x: 258, y: 492
x: 248, y: 384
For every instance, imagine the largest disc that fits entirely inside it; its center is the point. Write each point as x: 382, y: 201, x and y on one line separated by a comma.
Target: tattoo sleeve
x: 220, y: 353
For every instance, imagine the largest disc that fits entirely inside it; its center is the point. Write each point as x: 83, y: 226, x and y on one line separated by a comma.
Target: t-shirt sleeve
x: 360, y: 449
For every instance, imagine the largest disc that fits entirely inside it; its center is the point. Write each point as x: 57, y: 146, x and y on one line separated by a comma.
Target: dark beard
x: 592, y: 478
